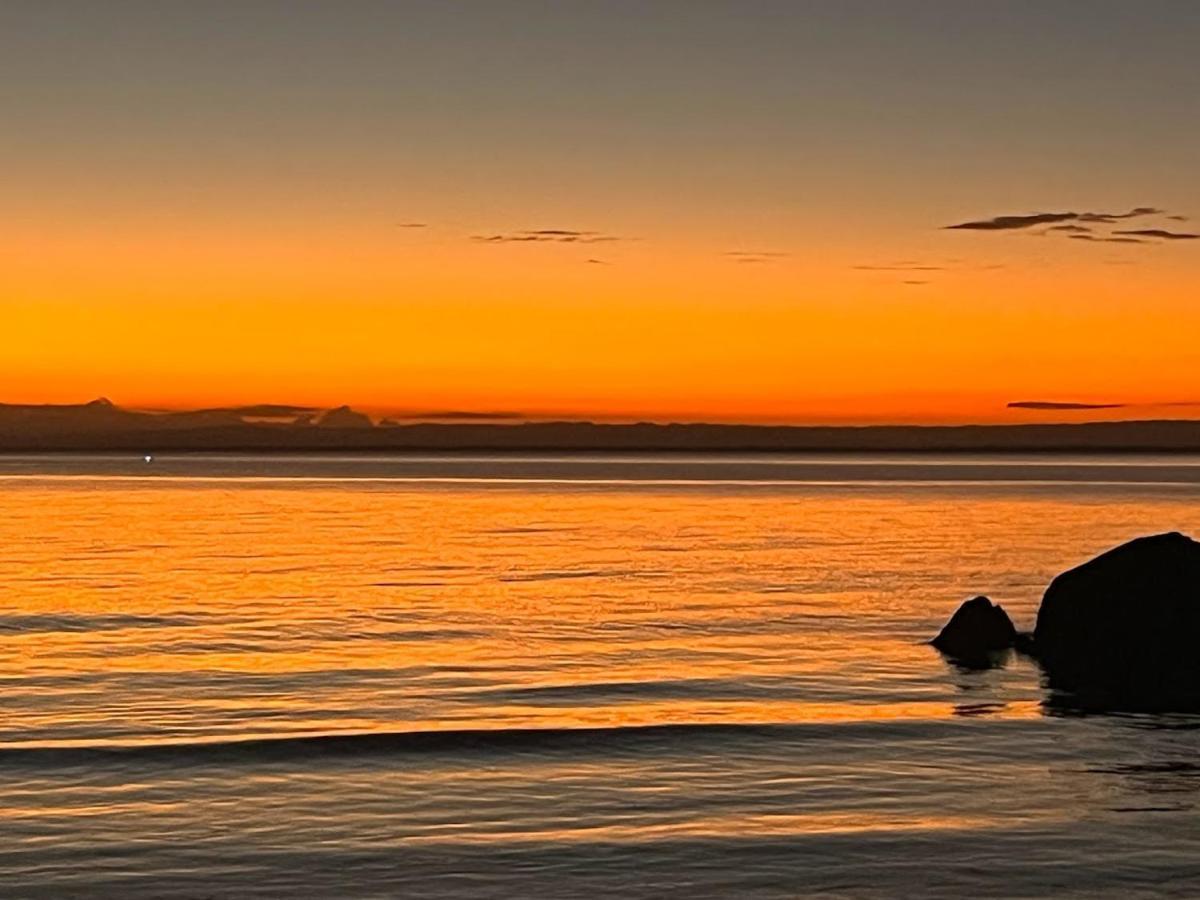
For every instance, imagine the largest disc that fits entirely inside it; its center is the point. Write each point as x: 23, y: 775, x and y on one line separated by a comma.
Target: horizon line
x: 299, y: 415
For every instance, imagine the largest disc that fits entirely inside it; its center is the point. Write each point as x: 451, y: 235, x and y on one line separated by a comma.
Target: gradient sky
x: 212, y: 203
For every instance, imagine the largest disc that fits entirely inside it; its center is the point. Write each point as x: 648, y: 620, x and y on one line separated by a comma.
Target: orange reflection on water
x: 139, y: 610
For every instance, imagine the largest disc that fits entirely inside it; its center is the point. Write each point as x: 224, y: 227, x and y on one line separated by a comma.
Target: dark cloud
x: 598, y: 262
x: 1072, y: 404
x: 1160, y: 233
x: 914, y: 283
x: 1010, y: 223
x: 1054, y: 404
x: 411, y: 225
x: 1178, y: 218
x: 1074, y: 229
x: 546, y: 235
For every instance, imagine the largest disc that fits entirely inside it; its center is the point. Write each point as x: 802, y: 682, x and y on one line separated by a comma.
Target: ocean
x: 567, y: 676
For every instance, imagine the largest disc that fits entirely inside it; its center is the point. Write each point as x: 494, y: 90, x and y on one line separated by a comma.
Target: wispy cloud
x: 411, y: 225
x: 1161, y: 233
x: 1082, y: 226
x: 900, y: 267
x: 912, y: 268
x: 1113, y: 217
x: 598, y: 262
x: 753, y: 256
x: 546, y: 236
x: 1106, y: 240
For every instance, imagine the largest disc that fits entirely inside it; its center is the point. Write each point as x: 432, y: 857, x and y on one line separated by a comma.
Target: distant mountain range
x: 103, y: 426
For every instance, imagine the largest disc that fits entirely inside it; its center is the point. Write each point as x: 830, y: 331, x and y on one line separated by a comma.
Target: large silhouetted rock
x: 1126, y: 621
x: 977, y: 631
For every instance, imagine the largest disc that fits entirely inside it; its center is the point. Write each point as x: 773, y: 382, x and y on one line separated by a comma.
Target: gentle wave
x: 68, y: 622
x: 601, y: 740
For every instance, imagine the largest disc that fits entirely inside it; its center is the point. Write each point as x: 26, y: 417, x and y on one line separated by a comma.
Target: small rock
x: 977, y: 630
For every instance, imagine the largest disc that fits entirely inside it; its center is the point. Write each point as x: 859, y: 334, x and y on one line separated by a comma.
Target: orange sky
x: 409, y: 319
x: 204, y: 222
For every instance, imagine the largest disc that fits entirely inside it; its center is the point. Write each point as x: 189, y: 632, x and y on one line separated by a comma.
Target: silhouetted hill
x: 25, y: 422
x: 100, y: 425
x: 344, y: 417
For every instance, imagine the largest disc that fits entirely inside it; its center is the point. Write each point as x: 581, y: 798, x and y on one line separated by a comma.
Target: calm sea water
x: 566, y: 676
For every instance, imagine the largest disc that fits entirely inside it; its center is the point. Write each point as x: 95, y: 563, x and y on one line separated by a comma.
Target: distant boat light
x: 148, y: 458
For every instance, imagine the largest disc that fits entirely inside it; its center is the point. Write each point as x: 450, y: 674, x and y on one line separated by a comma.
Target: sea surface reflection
x: 567, y: 676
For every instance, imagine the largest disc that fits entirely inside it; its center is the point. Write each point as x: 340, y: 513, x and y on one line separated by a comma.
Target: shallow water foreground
x: 635, y: 676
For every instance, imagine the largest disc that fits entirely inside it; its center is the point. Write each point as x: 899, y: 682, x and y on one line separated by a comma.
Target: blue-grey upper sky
x: 935, y: 101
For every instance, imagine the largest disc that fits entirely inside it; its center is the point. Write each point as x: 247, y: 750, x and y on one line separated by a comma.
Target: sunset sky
x: 732, y: 211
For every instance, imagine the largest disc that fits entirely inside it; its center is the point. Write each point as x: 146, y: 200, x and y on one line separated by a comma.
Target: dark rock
x: 1127, y: 623
x: 978, y: 630
x: 1024, y: 643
